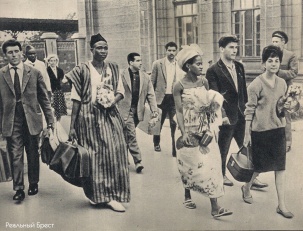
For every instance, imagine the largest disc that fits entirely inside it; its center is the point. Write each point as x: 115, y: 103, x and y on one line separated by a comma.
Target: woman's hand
x: 185, y: 139
x: 72, y: 135
x: 247, y: 139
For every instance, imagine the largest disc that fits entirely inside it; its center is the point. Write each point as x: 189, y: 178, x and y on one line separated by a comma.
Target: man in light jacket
x: 138, y: 89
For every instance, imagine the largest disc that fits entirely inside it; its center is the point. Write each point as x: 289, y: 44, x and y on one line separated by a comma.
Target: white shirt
x: 20, y: 68
x: 232, y: 71
x: 40, y: 66
x: 54, y: 69
x: 96, y: 79
x: 170, y: 75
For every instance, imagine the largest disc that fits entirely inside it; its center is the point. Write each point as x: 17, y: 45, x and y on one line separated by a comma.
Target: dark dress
x: 100, y: 131
x: 58, y: 103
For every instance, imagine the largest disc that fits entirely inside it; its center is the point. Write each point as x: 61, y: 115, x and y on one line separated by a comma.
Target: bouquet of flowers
x: 290, y: 100
x: 105, y: 94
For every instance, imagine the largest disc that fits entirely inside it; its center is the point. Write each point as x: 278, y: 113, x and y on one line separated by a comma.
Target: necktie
x: 17, y: 85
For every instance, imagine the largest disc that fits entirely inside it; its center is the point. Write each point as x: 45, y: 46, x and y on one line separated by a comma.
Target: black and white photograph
x: 147, y: 115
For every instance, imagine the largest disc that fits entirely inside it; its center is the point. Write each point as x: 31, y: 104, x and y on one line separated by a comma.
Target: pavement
x: 156, y: 199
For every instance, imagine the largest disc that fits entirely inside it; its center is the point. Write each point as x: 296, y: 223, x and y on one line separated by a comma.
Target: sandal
x: 189, y: 204
x: 222, y: 212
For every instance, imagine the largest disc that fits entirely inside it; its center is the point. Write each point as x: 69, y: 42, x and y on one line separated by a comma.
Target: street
x: 156, y: 198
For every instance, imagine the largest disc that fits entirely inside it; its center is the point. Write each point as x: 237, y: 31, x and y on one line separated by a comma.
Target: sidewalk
x: 156, y: 199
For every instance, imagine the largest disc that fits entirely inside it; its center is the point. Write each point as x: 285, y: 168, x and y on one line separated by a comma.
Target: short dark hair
x: 131, y: 57
x: 225, y: 40
x: 10, y: 43
x: 271, y: 51
x: 171, y: 44
x: 190, y: 61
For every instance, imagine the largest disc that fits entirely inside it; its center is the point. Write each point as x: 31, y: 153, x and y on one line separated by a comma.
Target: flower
x: 105, y: 94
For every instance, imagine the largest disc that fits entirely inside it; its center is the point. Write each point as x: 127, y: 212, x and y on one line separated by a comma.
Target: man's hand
x: 72, y: 135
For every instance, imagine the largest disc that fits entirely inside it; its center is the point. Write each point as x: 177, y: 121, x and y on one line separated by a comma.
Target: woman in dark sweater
x: 56, y: 75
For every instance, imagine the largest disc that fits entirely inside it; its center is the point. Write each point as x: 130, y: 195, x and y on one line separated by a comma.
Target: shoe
x: 157, y: 148
x: 92, y: 203
x: 258, y: 184
x: 189, y: 204
x: 139, y: 167
x: 288, y: 215
x: 32, y: 189
x: 222, y: 212
x: 116, y: 206
x: 227, y: 182
x: 249, y: 199
x: 288, y: 148
x: 19, y: 196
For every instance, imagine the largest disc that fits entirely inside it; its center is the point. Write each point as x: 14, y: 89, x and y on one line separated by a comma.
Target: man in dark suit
x: 137, y: 90
x: 165, y: 73
x: 22, y: 93
x: 227, y: 76
x: 288, y: 71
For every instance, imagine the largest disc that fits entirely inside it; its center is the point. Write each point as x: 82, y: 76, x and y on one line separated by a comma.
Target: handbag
x: 46, y: 150
x: 57, y: 136
x: 5, y: 163
x: 240, y: 165
x: 71, y: 161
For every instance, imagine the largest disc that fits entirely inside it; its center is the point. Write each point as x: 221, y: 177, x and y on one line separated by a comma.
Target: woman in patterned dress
x: 56, y: 75
x: 98, y: 126
x: 198, y: 110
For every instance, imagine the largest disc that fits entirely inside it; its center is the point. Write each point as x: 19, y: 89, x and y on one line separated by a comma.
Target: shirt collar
x: 170, y: 63
x: 230, y: 66
x: 19, y: 66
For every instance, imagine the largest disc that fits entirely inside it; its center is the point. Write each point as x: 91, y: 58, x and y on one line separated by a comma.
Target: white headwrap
x: 187, y: 53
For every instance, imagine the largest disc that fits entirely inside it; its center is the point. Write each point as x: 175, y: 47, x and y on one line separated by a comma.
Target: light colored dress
x: 199, y: 171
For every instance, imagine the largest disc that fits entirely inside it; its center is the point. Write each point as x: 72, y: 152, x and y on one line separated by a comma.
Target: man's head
x: 228, y: 47
x: 30, y: 53
x: 99, y: 47
x: 171, y: 50
x: 12, y: 51
x: 279, y: 39
x: 134, y: 61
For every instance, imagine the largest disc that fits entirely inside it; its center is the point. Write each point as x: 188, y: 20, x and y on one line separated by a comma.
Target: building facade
x: 145, y: 26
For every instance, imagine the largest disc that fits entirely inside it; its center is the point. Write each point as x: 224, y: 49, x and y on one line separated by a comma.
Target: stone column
x: 81, y: 47
x: 50, y: 42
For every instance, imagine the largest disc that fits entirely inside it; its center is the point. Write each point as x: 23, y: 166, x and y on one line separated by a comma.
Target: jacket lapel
x: 163, y: 68
x: 227, y: 74
x: 8, y: 79
x: 26, y: 76
x: 141, y: 81
x: 126, y: 77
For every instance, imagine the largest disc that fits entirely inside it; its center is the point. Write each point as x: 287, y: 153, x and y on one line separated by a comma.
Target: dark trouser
x: 15, y: 145
x: 288, y: 129
x: 168, y: 107
x: 226, y: 134
x: 131, y: 138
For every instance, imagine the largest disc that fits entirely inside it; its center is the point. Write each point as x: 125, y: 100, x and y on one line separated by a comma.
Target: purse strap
x: 247, y: 154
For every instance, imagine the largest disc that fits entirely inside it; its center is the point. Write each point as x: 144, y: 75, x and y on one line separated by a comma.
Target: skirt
x: 59, y: 104
x: 269, y: 150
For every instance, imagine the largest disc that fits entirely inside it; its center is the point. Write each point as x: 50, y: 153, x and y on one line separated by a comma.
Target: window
x: 246, y: 25
x: 186, y: 22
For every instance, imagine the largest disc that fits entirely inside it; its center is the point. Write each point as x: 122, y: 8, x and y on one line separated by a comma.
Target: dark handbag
x: 5, y: 164
x: 71, y: 161
x: 206, y: 138
x: 47, y: 152
x: 240, y: 165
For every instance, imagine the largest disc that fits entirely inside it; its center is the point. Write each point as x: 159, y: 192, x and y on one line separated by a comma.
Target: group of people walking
x: 108, y: 106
